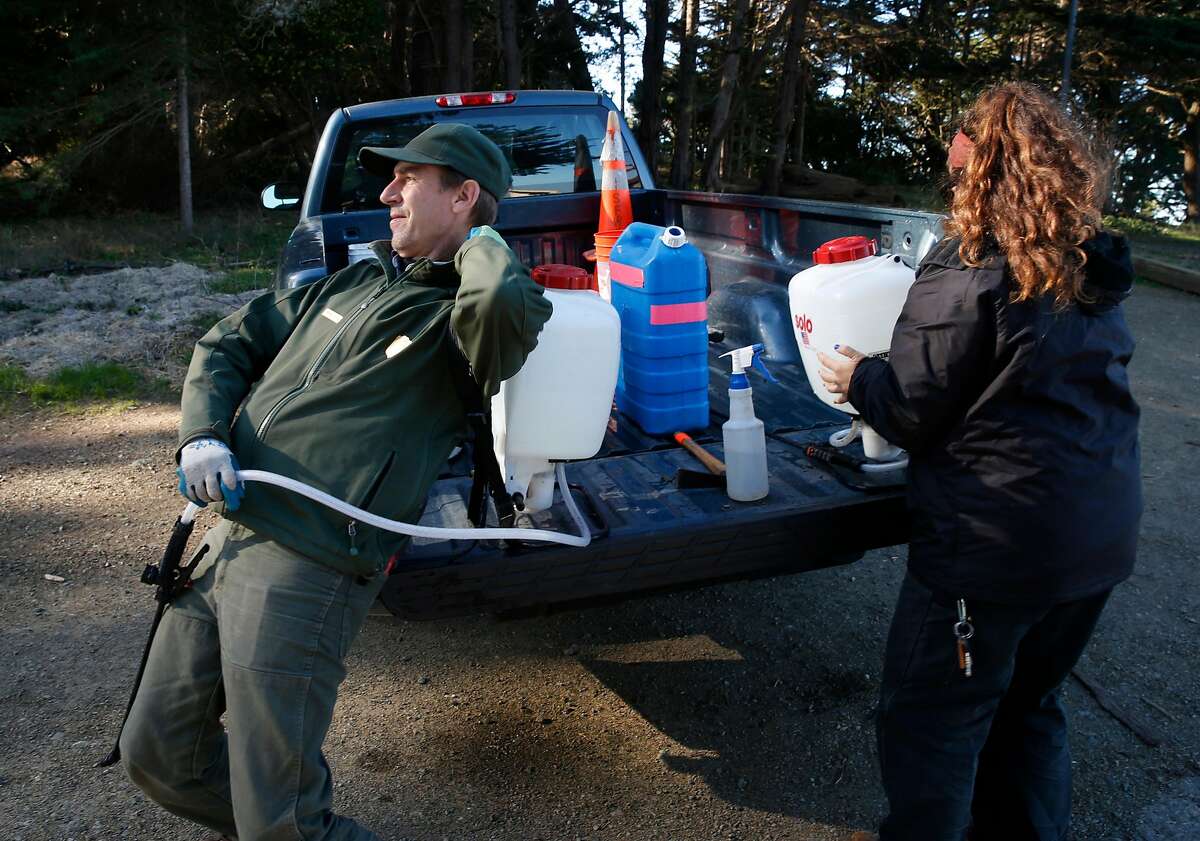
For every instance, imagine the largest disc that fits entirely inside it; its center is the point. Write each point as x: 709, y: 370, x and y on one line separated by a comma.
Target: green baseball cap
x: 460, y: 147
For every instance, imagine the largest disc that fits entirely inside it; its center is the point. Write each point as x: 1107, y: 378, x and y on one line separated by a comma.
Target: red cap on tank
x: 561, y: 276
x: 844, y: 249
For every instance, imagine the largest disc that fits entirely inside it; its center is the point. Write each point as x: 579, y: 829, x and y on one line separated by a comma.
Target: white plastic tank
x: 556, y: 408
x: 849, y: 296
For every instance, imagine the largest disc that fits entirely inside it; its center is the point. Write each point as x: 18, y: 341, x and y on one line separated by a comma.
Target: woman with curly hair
x: 1007, y: 383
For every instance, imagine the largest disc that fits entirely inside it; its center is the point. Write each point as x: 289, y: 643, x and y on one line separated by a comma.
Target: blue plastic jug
x: 659, y: 282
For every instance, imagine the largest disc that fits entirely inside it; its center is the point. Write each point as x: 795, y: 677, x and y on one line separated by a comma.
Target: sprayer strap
x: 486, y: 469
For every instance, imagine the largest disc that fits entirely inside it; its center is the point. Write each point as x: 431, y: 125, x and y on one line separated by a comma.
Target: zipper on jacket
x: 352, y: 532
x: 311, y: 376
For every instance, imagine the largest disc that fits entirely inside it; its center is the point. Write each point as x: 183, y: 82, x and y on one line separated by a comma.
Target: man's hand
x: 208, y: 473
x: 837, y: 372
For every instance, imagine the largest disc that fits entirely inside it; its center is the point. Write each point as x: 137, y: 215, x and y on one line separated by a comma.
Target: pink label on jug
x: 678, y: 313
x: 626, y: 275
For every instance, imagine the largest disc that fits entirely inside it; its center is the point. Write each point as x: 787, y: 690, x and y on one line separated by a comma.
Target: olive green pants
x: 261, y: 638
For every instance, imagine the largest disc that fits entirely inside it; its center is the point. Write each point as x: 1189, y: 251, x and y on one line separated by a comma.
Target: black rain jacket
x: 1024, y: 473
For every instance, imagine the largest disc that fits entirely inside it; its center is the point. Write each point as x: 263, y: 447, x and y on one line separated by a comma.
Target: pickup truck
x: 652, y: 531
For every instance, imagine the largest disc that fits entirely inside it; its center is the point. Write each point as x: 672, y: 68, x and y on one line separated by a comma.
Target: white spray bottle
x: 744, y: 437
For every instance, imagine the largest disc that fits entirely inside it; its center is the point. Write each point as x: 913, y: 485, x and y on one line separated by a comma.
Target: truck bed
x: 650, y: 535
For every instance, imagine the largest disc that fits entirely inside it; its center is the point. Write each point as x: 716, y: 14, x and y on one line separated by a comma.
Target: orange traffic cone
x: 616, y: 211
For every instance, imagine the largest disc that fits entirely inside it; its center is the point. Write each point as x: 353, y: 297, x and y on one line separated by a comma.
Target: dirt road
x: 738, y: 712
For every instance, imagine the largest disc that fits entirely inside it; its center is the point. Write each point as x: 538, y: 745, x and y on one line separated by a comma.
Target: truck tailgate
x: 653, y: 536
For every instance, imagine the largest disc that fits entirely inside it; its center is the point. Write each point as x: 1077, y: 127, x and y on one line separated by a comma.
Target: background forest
x: 741, y: 95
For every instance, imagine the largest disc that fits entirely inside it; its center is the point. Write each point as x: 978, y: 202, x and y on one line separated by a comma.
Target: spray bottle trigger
x: 762, y: 368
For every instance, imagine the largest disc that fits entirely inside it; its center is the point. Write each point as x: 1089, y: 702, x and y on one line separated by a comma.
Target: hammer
x: 714, y: 464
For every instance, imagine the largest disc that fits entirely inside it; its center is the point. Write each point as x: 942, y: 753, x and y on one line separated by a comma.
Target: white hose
x: 885, y: 466
x: 367, y: 518
x: 847, y: 436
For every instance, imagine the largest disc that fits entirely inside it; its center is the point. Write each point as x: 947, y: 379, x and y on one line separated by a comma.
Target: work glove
x: 486, y: 231
x: 208, y: 473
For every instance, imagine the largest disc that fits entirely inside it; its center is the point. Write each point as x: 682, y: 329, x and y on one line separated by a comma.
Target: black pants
x: 986, y: 754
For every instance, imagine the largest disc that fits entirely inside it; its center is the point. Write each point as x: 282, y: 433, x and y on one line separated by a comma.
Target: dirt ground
x: 735, y: 712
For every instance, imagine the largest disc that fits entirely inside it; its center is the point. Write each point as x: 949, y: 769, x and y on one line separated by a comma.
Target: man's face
x: 426, y: 220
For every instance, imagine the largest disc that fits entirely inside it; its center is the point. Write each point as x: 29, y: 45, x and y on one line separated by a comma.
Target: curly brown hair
x: 1032, y: 187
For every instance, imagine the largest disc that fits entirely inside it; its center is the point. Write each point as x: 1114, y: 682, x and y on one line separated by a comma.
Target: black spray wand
x: 170, y: 579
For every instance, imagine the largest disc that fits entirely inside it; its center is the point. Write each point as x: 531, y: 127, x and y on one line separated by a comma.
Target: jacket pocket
x: 402, y: 495
x: 378, y: 482
x: 364, y: 502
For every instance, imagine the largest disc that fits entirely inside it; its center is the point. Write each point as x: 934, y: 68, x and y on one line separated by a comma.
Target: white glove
x: 208, y: 473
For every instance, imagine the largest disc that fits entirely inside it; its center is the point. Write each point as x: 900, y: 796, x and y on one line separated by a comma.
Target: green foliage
x: 250, y: 240
x: 68, y: 387
x: 200, y: 323
x: 87, y: 89
x: 88, y: 108
x: 1139, y: 227
x: 243, y: 279
x: 887, y: 82
x: 13, y: 381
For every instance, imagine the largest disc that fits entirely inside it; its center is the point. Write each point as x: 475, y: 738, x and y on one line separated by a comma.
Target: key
x: 963, y: 631
x: 965, y: 663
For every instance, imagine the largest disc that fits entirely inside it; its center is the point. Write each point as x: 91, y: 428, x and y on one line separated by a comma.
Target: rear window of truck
x: 551, y: 151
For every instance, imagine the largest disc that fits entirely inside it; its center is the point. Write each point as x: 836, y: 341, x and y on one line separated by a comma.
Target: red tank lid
x: 844, y: 249
x: 561, y: 276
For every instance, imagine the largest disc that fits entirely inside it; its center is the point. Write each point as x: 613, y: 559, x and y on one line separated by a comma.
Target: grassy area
x: 1145, y: 229
x: 242, y: 245
x: 243, y: 279
x: 105, y: 383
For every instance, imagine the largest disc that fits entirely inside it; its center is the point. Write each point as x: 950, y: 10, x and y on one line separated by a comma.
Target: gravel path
x: 735, y: 712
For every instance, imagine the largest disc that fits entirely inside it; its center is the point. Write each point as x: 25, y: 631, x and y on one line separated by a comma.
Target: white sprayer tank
x: 556, y: 408
x: 849, y: 296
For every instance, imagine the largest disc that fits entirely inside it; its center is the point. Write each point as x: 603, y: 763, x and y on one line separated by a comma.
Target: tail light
x: 457, y: 100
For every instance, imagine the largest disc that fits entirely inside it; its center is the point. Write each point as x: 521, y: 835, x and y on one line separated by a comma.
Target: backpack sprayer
x: 170, y: 578
x: 554, y: 409
x: 852, y: 297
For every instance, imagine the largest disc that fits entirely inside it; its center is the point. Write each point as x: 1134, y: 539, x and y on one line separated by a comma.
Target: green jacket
x: 347, y: 388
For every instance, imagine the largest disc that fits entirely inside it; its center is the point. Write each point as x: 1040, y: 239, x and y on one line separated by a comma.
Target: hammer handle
x: 714, y: 464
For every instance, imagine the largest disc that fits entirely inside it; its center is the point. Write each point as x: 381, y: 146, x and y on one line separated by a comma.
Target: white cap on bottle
x: 674, y: 237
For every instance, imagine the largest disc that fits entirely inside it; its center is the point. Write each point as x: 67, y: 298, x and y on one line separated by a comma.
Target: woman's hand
x: 837, y: 372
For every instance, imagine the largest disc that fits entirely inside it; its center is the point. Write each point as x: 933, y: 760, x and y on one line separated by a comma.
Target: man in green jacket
x: 344, y: 385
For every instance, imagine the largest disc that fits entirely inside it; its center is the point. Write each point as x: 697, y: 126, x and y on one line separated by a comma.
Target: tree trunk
x: 724, y: 107
x: 452, y: 80
x: 787, y: 96
x: 425, y: 59
x: 657, y: 15
x: 801, y: 119
x: 724, y: 161
x: 184, y: 121
x: 577, y: 69
x: 685, y: 107
x: 621, y: 49
x: 510, y: 50
x: 466, y: 55
x: 1191, y: 163
x: 399, y: 19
